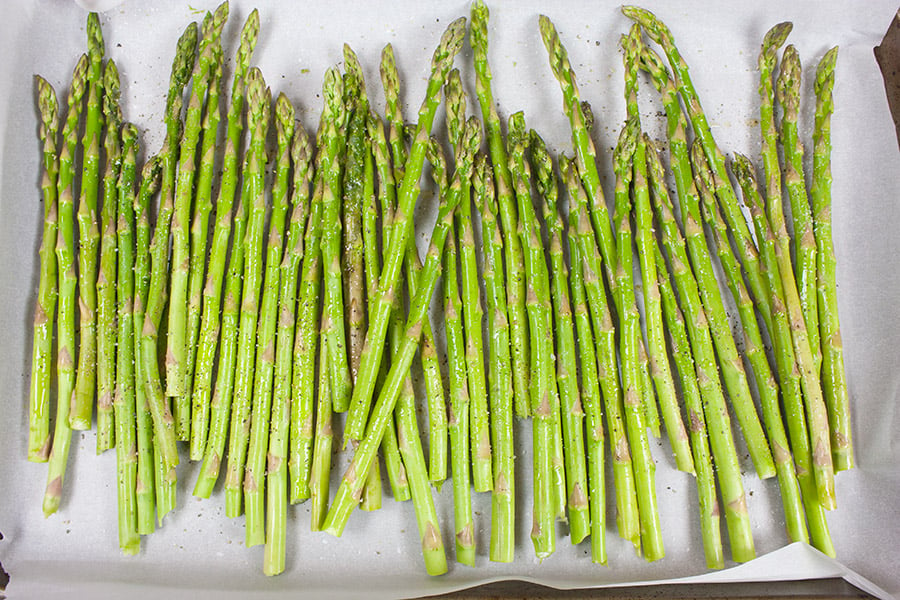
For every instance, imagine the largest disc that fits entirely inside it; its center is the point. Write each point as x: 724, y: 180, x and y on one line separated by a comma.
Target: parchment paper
x: 198, y: 551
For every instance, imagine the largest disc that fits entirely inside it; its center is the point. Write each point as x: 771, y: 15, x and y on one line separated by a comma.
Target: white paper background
x: 199, y: 549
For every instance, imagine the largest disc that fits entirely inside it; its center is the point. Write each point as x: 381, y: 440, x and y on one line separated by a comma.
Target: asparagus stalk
x: 176, y: 337
x: 466, y: 141
x: 834, y: 379
x: 795, y: 521
x: 585, y: 259
x: 512, y: 249
x: 147, y: 458
x: 571, y: 411
x: 334, y: 116
x: 106, y: 277
x: 688, y: 377
x: 449, y: 46
x: 163, y: 423
x: 591, y: 398
x: 643, y: 218
x: 89, y: 233
x: 718, y: 421
x: 305, y: 333
x: 644, y: 467
x: 816, y: 413
x: 804, y: 241
x: 65, y: 257
x: 548, y: 483
x: 392, y: 174
x: 259, y: 101
x: 199, y: 241
x: 124, y: 403
x: 789, y: 375
x: 254, y: 477
x: 45, y: 306
x: 396, y: 471
x: 586, y: 158
x: 280, y: 428
x: 661, y: 34
x: 354, y: 478
x: 503, y: 495
x: 210, y: 324
x: 459, y: 416
x: 320, y: 474
x: 353, y: 197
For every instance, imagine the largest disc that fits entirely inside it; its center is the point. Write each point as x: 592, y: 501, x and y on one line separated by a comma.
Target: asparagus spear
x: 354, y: 478
x: 804, y: 242
x: 644, y: 467
x: 259, y: 101
x: 391, y: 174
x: 124, y: 403
x: 586, y: 158
x: 585, y: 259
x: 177, y: 338
x: 591, y: 397
x: 718, y: 421
x: 89, y: 233
x: 353, y: 196
x: 305, y: 332
x: 45, y: 306
x: 688, y: 377
x: 512, y: 249
x: 65, y: 257
x: 147, y: 458
x: 163, y: 423
x: 548, y: 474
x: 280, y: 428
x: 834, y: 380
x: 254, y: 477
x: 503, y: 495
x: 106, y: 277
x: 210, y: 324
x: 334, y: 116
x: 466, y: 138
x: 459, y: 415
x: 661, y: 34
x: 571, y: 411
x: 320, y: 474
x: 789, y: 375
x: 816, y: 413
x: 199, y: 237
x: 643, y: 218
x: 795, y: 521
x: 450, y: 44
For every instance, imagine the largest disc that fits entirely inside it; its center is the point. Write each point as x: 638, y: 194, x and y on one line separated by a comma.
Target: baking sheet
x: 199, y: 550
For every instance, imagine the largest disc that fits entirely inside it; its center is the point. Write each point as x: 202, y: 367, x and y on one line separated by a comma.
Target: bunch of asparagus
x: 261, y: 335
